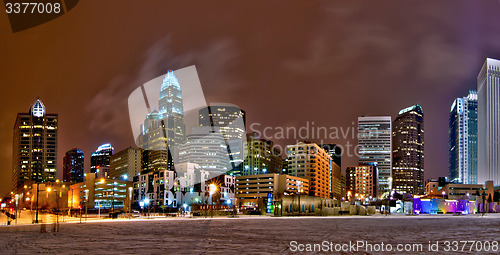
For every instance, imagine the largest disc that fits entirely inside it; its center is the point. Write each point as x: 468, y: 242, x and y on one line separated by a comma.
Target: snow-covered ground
x: 257, y: 234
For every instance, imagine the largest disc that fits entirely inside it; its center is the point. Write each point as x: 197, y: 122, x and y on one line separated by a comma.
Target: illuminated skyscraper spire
x: 170, y: 106
x: 170, y: 95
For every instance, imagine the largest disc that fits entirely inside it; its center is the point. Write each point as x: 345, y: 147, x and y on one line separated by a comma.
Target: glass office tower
x: 488, y: 114
x: 375, y: 145
x: 34, y: 146
x: 463, y: 140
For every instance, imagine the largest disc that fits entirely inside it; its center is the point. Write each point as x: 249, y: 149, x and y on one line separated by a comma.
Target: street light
x: 86, y: 201
x: 212, y: 188
x: 130, y: 202
x: 299, y: 190
x: 444, y: 193
x: 146, y: 203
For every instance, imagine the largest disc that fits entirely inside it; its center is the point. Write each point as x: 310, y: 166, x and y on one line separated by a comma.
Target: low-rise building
x: 261, y: 190
x: 100, y: 193
x: 168, y: 189
x: 361, y: 181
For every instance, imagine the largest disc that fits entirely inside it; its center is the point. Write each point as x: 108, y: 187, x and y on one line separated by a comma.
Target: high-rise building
x: 361, y: 181
x: 488, y: 115
x: 207, y: 148
x: 408, y: 151
x: 172, y: 110
x: 375, y: 145
x: 309, y: 161
x: 463, y: 140
x: 154, y: 141
x: 262, y: 156
x: 125, y: 164
x: 73, y: 163
x: 99, y: 160
x: 284, y: 169
x: 231, y: 121
x: 334, y: 151
x: 163, y: 131
x: 226, y: 117
x: 34, y: 146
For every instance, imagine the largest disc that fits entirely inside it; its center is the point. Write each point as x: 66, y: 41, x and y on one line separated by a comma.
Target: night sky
x: 285, y: 63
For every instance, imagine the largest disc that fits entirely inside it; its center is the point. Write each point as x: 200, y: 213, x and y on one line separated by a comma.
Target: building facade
x: 126, y: 164
x: 408, y: 151
x: 260, y: 190
x: 34, y: 156
x: 169, y: 189
x: 73, y: 166
x: 230, y: 121
x: 171, y: 108
x: 100, y: 159
x: 95, y: 193
x: 488, y: 145
x: 334, y: 151
x: 463, y: 140
x: 207, y: 148
x: 154, y: 141
x: 375, y: 145
x: 262, y: 156
x: 336, y: 178
x: 309, y: 161
x: 361, y: 181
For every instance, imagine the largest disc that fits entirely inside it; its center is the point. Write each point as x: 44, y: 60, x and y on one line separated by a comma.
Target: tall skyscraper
x: 34, y: 146
x: 262, y: 156
x: 231, y: 121
x: 375, y: 145
x: 126, y: 164
x: 99, y: 160
x: 309, y: 161
x: 488, y: 145
x: 171, y: 108
x: 154, y: 142
x: 73, y: 164
x: 408, y: 151
x: 463, y: 140
x: 163, y: 131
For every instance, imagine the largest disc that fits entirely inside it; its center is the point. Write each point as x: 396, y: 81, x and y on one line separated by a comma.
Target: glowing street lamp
x: 212, y: 188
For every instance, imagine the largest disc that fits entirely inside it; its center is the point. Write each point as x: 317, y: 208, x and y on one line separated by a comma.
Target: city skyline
x: 445, y: 70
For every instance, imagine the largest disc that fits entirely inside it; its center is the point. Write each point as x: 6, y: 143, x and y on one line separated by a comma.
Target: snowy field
x: 255, y: 235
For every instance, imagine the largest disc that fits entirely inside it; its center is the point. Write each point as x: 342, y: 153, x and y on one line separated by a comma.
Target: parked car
x: 136, y: 214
